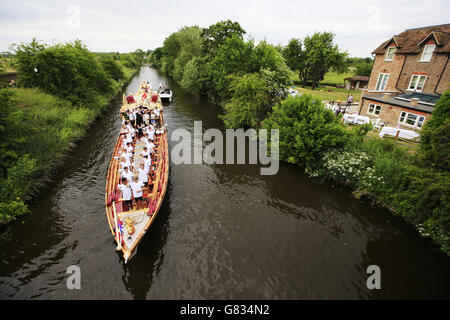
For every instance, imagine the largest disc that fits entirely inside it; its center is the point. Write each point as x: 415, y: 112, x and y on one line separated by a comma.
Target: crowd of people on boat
x: 142, y: 124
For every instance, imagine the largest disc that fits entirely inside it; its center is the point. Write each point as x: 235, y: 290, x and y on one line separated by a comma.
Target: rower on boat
x: 126, y: 193
x: 137, y: 188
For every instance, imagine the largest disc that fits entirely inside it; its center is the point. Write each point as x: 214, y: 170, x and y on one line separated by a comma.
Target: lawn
x: 6, y: 65
x: 334, y: 78
x: 331, y: 77
x: 327, y: 90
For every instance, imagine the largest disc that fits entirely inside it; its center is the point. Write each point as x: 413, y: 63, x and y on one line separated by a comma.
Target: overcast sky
x: 124, y: 26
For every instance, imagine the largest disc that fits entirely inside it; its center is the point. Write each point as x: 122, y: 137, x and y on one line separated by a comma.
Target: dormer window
x: 427, y: 53
x: 390, y: 54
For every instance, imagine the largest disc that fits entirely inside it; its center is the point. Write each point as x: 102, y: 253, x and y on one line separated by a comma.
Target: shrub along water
x: 413, y: 186
x: 62, y: 89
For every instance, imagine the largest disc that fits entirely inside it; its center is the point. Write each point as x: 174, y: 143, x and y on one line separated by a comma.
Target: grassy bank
x: 42, y: 120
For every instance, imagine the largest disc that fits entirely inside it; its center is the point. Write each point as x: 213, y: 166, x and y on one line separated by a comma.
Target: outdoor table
x: 355, y: 119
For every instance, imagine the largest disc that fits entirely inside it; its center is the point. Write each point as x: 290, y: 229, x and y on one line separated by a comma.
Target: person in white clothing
x: 146, y: 117
x: 126, y: 173
x: 128, y: 156
x: 150, y: 145
x: 145, y: 152
x: 124, y: 162
x: 151, y: 134
x: 144, y: 138
x: 143, y: 174
x: 129, y: 147
x: 137, y: 188
x: 130, y: 129
x: 131, y: 116
x: 125, y: 188
x: 147, y: 162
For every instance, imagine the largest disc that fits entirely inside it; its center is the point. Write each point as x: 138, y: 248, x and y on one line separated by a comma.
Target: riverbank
x: 246, y: 80
x: 377, y: 170
x: 42, y: 130
x: 406, y: 183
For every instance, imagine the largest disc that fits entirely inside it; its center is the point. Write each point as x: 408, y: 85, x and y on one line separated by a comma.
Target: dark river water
x: 223, y: 232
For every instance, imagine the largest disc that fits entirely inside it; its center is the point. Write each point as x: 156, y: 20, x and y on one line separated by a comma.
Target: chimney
x: 386, y: 96
x: 414, y: 101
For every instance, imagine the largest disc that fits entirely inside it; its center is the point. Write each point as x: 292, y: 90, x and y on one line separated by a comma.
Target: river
x: 223, y: 232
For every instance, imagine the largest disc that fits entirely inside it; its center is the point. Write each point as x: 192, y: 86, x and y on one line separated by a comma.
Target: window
x: 411, y: 119
x: 416, y: 83
x: 427, y: 53
x: 390, y: 54
x: 382, y: 81
x: 374, y: 109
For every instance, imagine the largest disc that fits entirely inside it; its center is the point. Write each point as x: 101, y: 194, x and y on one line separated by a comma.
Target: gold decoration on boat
x: 129, y: 225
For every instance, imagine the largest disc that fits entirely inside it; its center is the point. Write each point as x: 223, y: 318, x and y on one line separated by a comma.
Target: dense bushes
x: 248, y: 100
x: 112, y: 68
x: 307, y: 130
x: 13, y: 130
x: 209, y: 60
x: 49, y: 111
x: 39, y: 127
x: 435, y: 147
x: 68, y: 71
x: 312, y: 137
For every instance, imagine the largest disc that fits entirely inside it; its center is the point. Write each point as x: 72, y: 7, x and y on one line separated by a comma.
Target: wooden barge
x: 128, y: 224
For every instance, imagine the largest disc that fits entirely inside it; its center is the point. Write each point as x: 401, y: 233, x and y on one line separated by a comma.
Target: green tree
x: 178, y: 49
x: 191, y: 74
x: 435, y: 136
x: 112, y: 68
x: 295, y: 58
x: 155, y: 57
x: 249, y: 102
x: 235, y: 56
x: 364, y: 68
x: 216, y: 35
x: 68, y: 71
x: 190, y: 42
x: 322, y: 55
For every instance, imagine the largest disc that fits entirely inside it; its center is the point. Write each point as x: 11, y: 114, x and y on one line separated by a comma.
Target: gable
x: 412, y: 40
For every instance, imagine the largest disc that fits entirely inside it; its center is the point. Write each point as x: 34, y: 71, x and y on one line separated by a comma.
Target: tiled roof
x: 358, y: 78
x: 411, y: 40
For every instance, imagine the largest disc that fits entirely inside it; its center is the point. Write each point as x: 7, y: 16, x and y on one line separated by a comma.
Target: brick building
x: 409, y: 74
